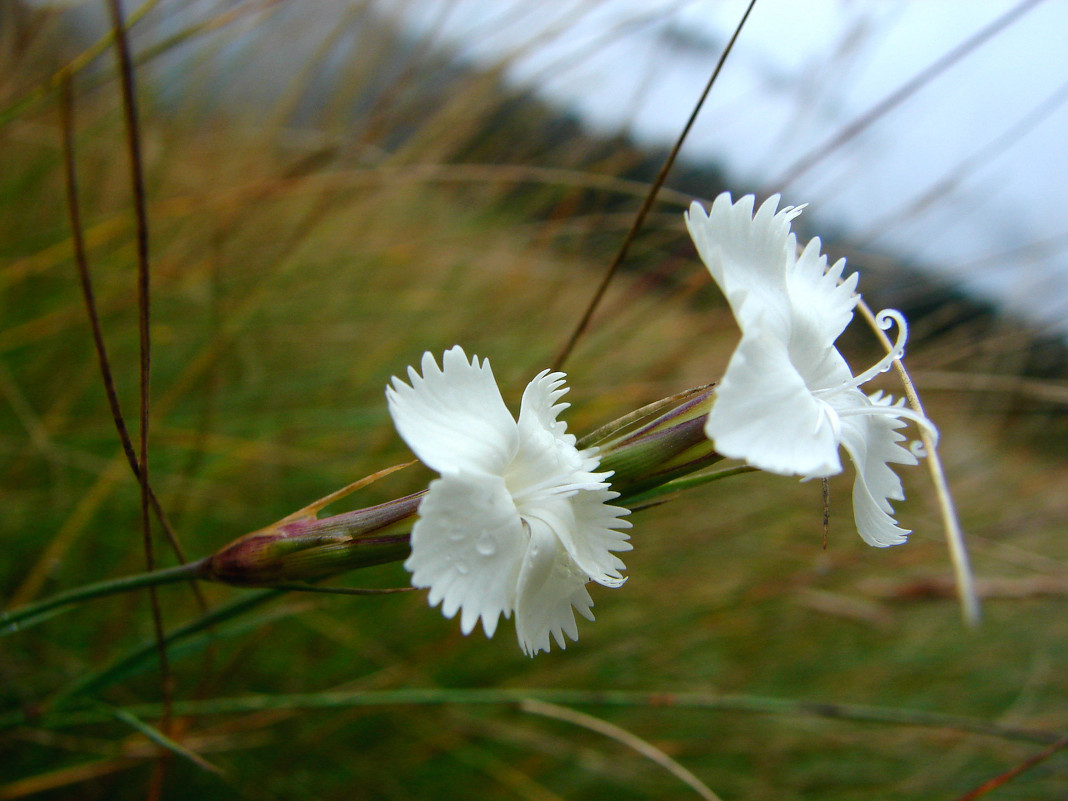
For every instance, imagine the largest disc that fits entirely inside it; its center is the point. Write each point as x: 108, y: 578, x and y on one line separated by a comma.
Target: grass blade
x: 620, y: 735
x: 162, y: 740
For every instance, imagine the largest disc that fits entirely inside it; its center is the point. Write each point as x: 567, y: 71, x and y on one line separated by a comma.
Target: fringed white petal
x: 551, y: 587
x: 598, y: 536
x: 453, y: 418
x: 821, y: 307
x: 766, y: 415
x: 588, y: 529
x: 872, y: 442
x: 746, y: 253
x: 555, y: 483
x: 467, y: 548
x: 539, y: 410
x: 546, y: 456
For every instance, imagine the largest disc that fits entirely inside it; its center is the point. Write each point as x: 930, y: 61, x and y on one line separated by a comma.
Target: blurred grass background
x: 296, y: 267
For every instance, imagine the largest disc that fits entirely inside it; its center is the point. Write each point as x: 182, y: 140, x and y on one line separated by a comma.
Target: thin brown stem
x: 137, y: 183
x: 650, y: 197
x: 81, y: 262
x: 826, y: 511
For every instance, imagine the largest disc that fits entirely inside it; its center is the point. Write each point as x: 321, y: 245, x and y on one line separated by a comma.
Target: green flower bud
x: 657, y: 443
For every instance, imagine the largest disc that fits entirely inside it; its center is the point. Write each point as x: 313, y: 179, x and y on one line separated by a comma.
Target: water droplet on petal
x: 462, y: 568
x: 485, y: 544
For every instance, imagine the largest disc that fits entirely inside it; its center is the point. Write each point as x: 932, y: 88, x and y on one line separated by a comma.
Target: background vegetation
x: 300, y: 257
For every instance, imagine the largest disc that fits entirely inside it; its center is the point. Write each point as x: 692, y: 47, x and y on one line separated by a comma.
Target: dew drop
x: 462, y: 568
x: 485, y: 544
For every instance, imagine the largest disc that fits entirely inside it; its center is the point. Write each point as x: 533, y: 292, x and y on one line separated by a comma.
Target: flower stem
x: 658, y: 495
x: 958, y: 552
x: 30, y: 614
x: 425, y: 696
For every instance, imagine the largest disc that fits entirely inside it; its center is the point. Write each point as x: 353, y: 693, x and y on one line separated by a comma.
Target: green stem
x: 25, y: 616
x: 751, y: 704
x: 658, y: 495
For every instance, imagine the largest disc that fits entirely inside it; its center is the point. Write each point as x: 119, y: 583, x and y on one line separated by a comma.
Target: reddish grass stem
x: 81, y: 262
x: 137, y: 183
x: 1015, y: 771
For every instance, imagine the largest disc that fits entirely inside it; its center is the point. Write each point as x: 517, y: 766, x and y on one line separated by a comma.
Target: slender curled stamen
x: 885, y: 320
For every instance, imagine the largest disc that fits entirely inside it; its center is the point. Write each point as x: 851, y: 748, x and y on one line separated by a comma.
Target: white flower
x: 788, y: 399
x: 519, y: 520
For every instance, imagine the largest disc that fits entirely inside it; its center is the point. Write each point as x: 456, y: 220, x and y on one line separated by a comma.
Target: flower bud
x: 304, y: 548
x: 657, y: 443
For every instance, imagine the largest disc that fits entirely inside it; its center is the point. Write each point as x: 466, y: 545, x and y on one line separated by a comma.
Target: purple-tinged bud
x: 656, y: 444
x: 304, y: 548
